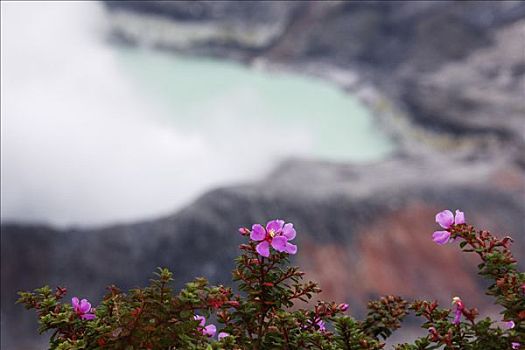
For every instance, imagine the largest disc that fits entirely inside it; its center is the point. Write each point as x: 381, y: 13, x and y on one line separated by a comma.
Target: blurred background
x: 137, y: 134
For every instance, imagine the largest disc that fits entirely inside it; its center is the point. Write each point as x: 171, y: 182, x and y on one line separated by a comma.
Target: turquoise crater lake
x: 276, y: 113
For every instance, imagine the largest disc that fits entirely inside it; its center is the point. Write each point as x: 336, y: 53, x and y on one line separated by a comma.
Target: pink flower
x: 515, y: 345
x: 459, y: 309
x: 318, y: 324
x: 441, y: 237
x: 446, y: 220
x: 510, y: 324
x: 275, y: 234
x: 343, y: 307
x: 223, y: 335
x: 208, y: 330
x: 82, y: 308
x: 457, y: 317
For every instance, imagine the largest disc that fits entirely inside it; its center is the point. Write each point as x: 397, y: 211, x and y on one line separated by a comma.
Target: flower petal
x: 223, y: 335
x: 258, y: 232
x: 75, y: 302
x: 275, y: 226
x: 263, y: 249
x: 88, y: 316
x: 209, y: 330
x: 201, y: 319
x: 291, y: 248
x: 457, y: 317
x: 441, y: 237
x: 460, y: 218
x: 289, y: 231
x: 85, y: 306
x: 279, y: 243
x: 445, y: 218
x: 510, y: 324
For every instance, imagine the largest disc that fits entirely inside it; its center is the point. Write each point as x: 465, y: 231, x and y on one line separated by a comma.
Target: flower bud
x: 434, y: 336
x: 343, y: 307
x: 244, y: 231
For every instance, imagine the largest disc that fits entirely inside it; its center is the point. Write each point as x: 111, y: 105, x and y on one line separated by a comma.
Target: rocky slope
x: 361, y: 234
x: 445, y: 78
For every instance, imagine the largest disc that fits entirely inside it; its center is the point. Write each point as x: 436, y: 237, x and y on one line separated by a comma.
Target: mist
x: 95, y: 133
x: 79, y: 143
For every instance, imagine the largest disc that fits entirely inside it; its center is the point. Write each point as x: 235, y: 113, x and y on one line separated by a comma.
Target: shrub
x: 265, y: 313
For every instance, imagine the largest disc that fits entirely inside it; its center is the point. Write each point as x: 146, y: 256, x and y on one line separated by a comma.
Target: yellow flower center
x: 271, y: 233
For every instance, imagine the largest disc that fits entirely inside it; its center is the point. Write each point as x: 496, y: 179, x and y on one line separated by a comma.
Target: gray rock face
x: 232, y: 11
x: 205, y: 26
x: 446, y: 78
